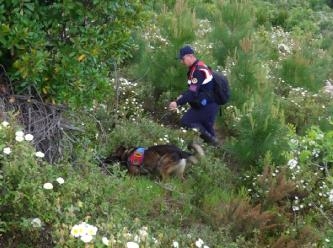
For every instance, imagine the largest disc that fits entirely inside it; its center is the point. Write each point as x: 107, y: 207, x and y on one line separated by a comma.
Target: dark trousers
x: 202, y: 118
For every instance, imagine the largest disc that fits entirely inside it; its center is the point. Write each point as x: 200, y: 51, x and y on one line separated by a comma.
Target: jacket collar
x: 192, y: 67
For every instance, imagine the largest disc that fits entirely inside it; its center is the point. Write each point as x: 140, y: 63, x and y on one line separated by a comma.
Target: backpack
x: 221, y: 88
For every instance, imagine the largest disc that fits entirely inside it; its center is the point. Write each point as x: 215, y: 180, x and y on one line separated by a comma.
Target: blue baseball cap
x: 184, y: 51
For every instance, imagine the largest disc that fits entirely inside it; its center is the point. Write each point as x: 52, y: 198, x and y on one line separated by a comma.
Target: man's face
x: 186, y: 60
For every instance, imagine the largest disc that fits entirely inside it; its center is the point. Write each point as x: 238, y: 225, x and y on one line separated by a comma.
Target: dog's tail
x: 198, y: 152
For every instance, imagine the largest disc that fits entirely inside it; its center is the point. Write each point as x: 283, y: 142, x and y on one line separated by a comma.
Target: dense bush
x: 304, y: 109
x: 233, y: 23
x: 262, y: 131
x: 66, y: 50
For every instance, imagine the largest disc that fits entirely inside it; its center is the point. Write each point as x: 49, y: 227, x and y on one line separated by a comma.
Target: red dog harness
x: 136, y: 158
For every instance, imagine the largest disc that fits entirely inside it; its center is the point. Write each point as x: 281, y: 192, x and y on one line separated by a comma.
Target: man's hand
x: 173, y: 106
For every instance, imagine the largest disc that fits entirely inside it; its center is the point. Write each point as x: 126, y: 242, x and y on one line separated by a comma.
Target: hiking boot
x: 210, y: 139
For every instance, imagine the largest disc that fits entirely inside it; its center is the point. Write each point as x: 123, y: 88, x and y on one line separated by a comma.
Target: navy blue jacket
x: 199, y: 82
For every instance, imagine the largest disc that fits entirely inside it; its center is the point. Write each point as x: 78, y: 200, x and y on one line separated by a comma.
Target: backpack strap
x: 208, y: 93
x: 206, y: 69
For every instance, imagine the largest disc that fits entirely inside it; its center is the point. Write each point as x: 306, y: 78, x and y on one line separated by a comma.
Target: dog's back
x: 168, y: 159
x: 169, y: 148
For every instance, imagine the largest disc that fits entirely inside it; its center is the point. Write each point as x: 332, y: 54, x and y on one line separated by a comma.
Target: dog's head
x: 120, y: 155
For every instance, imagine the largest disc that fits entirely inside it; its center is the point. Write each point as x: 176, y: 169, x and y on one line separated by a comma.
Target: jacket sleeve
x: 191, y: 94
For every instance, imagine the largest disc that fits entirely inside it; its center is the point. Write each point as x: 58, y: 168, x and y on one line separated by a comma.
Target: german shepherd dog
x: 161, y: 160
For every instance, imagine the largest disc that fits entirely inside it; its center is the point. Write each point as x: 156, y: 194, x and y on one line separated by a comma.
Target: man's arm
x: 191, y: 94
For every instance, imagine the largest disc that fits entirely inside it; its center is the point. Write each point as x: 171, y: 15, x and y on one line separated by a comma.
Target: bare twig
x: 45, y: 122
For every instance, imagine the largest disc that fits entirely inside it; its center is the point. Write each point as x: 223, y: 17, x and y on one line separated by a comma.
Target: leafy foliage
x: 304, y: 109
x: 178, y: 29
x: 262, y: 131
x: 233, y: 22
x: 72, y: 46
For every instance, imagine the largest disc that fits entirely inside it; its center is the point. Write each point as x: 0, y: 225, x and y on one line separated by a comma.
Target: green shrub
x: 302, y: 186
x: 244, y: 78
x: 145, y: 133
x: 211, y: 179
x: 260, y: 130
x: 71, y: 45
x: 296, y: 71
x: 303, y: 19
x: 304, y: 109
x: 233, y: 21
x: 165, y: 72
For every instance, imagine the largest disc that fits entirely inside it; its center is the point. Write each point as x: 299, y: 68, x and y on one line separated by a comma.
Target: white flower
x: 19, y: 133
x: 19, y: 138
x: 36, y: 222
x: 199, y: 243
x: 137, y: 238
x: 48, y: 186
x: 60, y: 180
x: 175, y: 244
x: 132, y: 245
x: 76, y: 231
x: 292, y: 163
x: 206, y: 246
x: 5, y: 123
x: 155, y: 240
x: 7, y: 150
x: 85, y: 231
x: 330, y: 196
x: 86, y: 238
x: 90, y: 229
x: 143, y: 233
x: 28, y: 137
x: 295, y: 208
x: 105, y: 241
x: 40, y: 154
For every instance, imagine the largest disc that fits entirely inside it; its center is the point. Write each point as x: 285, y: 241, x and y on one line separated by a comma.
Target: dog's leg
x: 166, y: 166
x: 197, y: 155
x: 180, y: 168
x: 164, y: 174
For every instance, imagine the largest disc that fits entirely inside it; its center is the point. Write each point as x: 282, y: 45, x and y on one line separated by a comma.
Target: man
x: 203, y: 111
